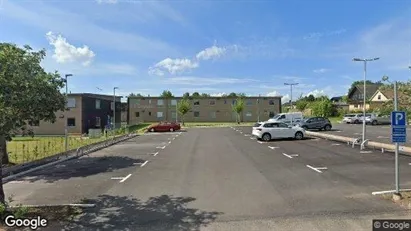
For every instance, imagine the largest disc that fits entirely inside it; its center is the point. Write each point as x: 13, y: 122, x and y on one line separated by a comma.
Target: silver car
x: 352, y: 118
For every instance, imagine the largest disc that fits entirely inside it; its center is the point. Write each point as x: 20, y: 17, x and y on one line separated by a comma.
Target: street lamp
x: 291, y: 96
x: 66, y: 123
x: 364, y: 94
x: 397, y: 177
x: 114, y: 107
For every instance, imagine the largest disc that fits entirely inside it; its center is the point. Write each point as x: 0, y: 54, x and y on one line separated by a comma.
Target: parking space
x: 370, y: 170
x: 91, y: 174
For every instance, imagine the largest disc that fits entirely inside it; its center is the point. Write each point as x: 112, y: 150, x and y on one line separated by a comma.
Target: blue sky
x: 214, y: 46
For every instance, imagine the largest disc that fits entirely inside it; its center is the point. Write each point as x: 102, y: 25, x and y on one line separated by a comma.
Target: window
x: 160, y: 102
x: 248, y: 114
x: 173, y: 114
x: 71, y: 122
x: 225, y: 101
x: 379, y: 97
x: 271, y: 114
x: 137, y: 114
x: 34, y: 123
x: 271, y: 102
x: 159, y: 114
x: 196, y: 114
x: 98, y: 104
x: 98, y: 122
x: 212, y: 102
x: 149, y: 113
x: 213, y: 115
x: 282, y: 125
x: 174, y: 102
x: 71, y: 102
x: 270, y: 125
x: 196, y: 103
x: 249, y: 102
x: 149, y: 101
x: 137, y: 102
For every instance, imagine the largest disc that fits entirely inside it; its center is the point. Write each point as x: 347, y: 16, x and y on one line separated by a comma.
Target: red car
x: 164, y: 127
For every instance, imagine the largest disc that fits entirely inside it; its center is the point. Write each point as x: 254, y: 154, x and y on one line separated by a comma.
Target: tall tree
x: 311, y: 98
x: 186, y: 95
x: 135, y: 95
x: 205, y: 95
x: 27, y: 93
x: 232, y: 94
x: 360, y: 82
x: 196, y: 95
x: 238, y: 107
x: 167, y: 94
x: 183, y: 107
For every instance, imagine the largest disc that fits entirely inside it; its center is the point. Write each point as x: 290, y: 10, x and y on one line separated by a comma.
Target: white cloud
x: 173, y: 66
x: 210, y: 53
x: 321, y: 70
x: 286, y: 99
x: 64, y: 52
x: 107, y: 1
x: 202, y: 81
x: 273, y: 93
x: 318, y: 35
x: 317, y: 93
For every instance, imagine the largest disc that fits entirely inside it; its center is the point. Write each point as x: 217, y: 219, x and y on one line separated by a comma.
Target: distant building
x: 84, y: 111
x: 203, y: 109
x: 356, y: 96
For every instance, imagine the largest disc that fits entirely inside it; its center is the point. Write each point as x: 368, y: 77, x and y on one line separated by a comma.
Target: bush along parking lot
x: 26, y: 149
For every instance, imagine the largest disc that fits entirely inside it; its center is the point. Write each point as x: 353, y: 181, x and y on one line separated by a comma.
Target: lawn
x: 335, y: 120
x: 25, y: 149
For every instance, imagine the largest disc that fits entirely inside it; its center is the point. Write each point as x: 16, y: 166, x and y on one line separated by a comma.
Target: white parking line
x: 316, y: 169
x: 162, y: 147
x: 117, y: 178
x: 335, y: 144
x: 247, y: 135
x: 260, y: 142
x: 357, y: 133
x: 338, y: 131
x: 273, y: 147
x: 174, y: 138
x: 253, y: 138
x: 142, y: 165
x: 290, y: 156
x: 409, y: 163
x: 154, y: 154
x: 125, y: 178
x: 365, y: 151
x: 383, y: 137
x: 169, y: 142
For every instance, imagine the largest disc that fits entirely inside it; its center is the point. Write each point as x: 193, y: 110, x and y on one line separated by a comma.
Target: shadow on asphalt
x: 163, y: 212
x: 83, y: 167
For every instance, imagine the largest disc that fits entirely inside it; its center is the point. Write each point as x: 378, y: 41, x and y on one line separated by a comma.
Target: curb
x: 354, y: 141
x: 54, y: 205
x: 79, y: 153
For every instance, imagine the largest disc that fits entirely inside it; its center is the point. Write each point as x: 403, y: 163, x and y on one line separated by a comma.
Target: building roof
x: 336, y: 98
x: 370, y: 89
x: 210, y: 97
x: 97, y: 96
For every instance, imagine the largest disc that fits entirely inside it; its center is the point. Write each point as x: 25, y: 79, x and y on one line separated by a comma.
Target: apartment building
x: 84, y: 111
x: 209, y: 109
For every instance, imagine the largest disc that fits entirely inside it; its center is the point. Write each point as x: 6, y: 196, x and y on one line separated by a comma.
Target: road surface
x: 221, y: 179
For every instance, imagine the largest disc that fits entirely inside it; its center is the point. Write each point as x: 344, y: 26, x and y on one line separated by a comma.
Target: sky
x: 214, y: 46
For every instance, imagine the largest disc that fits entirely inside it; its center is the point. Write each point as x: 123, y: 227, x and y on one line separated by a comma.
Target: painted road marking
x: 335, y: 144
x: 162, y: 147
x: 409, y: 163
x: 365, y: 151
x: 383, y: 137
x: 154, y: 154
x: 253, y: 138
x: 338, y: 131
x: 174, y: 138
x: 241, y: 132
x: 357, y: 133
x: 125, y: 178
x: 169, y: 142
x: 247, y: 135
x: 273, y: 147
x: 142, y: 165
x: 260, y: 142
x: 317, y: 169
x: 290, y: 156
x: 117, y: 178
x: 389, y: 191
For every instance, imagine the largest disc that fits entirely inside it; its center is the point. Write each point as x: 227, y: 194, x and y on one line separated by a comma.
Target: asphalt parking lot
x: 221, y: 179
x: 378, y: 133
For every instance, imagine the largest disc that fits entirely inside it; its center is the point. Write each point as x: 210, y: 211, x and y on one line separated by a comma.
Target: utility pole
x: 114, y: 107
x: 258, y: 108
x: 66, y: 146
x: 364, y: 95
x: 291, y: 96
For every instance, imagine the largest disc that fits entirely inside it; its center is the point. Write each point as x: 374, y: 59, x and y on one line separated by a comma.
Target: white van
x: 287, y: 117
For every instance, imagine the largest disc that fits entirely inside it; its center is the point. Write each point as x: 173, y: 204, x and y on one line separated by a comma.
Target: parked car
x: 319, y: 123
x: 374, y: 119
x: 352, y: 118
x: 288, y: 117
x: 164, y: 127
x: 277, y: 130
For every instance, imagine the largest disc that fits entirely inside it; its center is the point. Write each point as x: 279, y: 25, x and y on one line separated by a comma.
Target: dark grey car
x: 320, y: 123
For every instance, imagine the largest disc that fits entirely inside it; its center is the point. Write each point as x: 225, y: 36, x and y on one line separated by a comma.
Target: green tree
x: 183, y: 107
x: 322, y: 107
x: 404, y: 98
x: 345, y: 99
x: 167, y: 94
x: 310, y: 98
x: 241, y: 95
x: 232, y: 94
x: 360, y: 82
x: 238, y: 107
x: 205, y: 95
x: 186, y: 95
x: 196, y: 95
x: 27, y: 93
x: 135, y: 95
x: 301, y: 104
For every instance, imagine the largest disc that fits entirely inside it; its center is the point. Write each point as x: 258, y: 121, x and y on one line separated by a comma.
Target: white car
x: 374, y: 119
x: 352, y: 118
x: 277, y: 130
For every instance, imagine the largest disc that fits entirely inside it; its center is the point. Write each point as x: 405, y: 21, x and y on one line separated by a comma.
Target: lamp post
x: 176, y: 110
x: 397, y: 147
x: 258, y: 107
x: 364, y: 94
x: 291, y: 96
x: 114, y: 107
x: 66, y: 123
